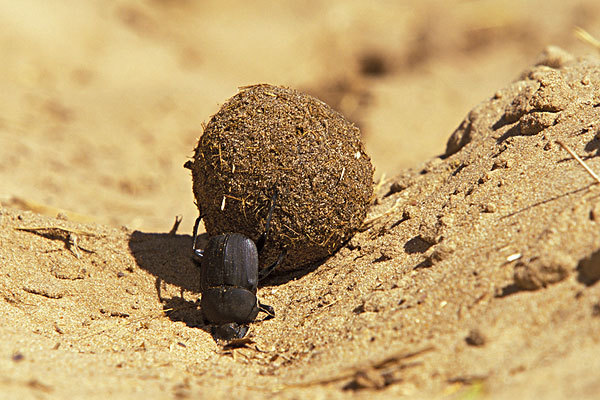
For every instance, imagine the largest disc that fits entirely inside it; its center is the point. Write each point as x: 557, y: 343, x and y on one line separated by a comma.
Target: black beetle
x: 229, y: 278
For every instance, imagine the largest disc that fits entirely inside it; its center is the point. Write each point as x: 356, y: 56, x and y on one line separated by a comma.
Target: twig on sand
x: 579, y: 160
x: 367, y: 224
x: 67, y: 236
x: 372, y: 374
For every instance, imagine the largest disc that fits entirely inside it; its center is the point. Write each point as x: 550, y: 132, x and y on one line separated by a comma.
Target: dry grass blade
x: 579, y: 160
x: 369, y: 372
x: 587, y: 38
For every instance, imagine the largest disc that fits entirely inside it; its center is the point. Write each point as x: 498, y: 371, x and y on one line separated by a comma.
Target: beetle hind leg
x: 270, y: 311
x: 260, y: 243
x: 262, y: 274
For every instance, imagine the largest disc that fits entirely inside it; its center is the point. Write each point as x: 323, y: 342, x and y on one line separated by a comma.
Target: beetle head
x: 229, y: 331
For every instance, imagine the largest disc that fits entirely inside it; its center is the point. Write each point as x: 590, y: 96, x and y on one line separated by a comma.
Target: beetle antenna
x: 260, y: 243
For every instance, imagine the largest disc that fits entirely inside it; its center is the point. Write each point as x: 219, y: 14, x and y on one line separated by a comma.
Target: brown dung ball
x: 269, y: 140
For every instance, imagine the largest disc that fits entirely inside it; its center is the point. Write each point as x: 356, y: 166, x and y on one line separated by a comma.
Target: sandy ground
x: 475, y: 275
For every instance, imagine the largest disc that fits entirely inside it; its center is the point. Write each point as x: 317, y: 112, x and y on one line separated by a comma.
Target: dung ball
x: 270, y: 142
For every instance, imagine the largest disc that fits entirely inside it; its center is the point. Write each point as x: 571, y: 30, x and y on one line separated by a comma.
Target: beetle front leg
x: 197, y: 252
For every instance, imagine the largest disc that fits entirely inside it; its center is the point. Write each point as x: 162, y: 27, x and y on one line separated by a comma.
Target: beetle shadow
x: 168, y: 257
x: 178, y: 309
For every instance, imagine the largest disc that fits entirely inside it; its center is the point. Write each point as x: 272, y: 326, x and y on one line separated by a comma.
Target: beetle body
x: 229, y: 279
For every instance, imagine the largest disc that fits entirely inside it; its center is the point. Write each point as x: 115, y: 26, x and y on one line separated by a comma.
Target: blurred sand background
x: 104, y: 101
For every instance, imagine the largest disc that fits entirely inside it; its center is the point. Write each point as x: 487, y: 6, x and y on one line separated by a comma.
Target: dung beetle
x: 229, y: 278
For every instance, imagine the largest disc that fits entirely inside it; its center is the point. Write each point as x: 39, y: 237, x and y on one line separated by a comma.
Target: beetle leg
x: 262, y: 274
x: 267, y: 310
x: 260, y: 243
x: 197, y: 252
x: 195, y: 233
